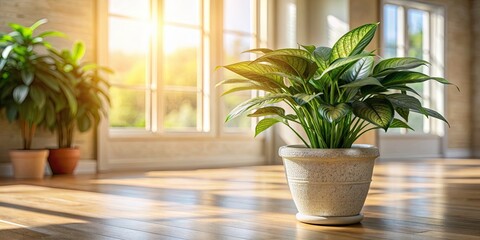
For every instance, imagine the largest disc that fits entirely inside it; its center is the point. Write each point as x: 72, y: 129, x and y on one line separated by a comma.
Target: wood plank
x: 424, y: 199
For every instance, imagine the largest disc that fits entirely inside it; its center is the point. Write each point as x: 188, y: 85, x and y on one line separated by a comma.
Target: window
x: 413, y: 29
x: 164, y: 53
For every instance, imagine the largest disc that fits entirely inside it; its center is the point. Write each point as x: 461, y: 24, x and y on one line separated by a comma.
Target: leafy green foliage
x: 336, y: 94
x: 85, y: 94
x: 30, y: 86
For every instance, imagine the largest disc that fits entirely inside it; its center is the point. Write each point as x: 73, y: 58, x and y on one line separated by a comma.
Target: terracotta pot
x: 329, y: 186
x: 63, y: 160
x: 28, y: 163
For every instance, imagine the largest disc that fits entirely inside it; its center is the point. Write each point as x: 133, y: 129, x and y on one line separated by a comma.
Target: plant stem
x: 298, y: 135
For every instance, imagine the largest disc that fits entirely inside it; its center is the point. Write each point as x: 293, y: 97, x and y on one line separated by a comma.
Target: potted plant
x: 90, y: 93
x: 29, y: 90
x: 336, y: 95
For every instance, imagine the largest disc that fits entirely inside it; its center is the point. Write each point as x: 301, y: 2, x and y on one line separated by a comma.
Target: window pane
x: 182, y: 11
x: 233, y: 46
x: 128, y: 60
x: 180, y: 56
x: 237, y: 15
x: 180, y: 111
x: 130, y: 8
x: 415, y: 32
x: 128, y: 108
x: 416, y: 122
x: 390, y: 31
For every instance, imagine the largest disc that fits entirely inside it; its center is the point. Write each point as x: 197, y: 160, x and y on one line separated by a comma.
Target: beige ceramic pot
x: 28, y: 163
x: 329, y: 186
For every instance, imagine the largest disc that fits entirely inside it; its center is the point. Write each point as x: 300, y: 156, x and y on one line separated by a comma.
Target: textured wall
x: 475, y: 10
x: 458, y: 71
x: 77, y: 19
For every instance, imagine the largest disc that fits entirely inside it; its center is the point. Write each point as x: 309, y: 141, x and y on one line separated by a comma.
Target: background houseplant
x: 336, y: 94
x: 30, y: 87
x: 90, y: 93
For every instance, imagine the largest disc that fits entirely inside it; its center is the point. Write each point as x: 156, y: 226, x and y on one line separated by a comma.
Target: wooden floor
x: 425, y: 199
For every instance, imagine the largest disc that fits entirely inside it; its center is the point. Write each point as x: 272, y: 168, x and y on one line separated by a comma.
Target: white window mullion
x: 206, y: 66
x: 160, y: 96
x: 200, y: 81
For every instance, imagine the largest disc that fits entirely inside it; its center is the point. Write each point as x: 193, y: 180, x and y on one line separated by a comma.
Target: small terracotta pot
x: 28, y: 163
x: 63, y: 160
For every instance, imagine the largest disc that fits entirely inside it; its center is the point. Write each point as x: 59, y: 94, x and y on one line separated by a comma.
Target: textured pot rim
x: 29, y: 150
x: 301, y: 151
x: 68, y: 148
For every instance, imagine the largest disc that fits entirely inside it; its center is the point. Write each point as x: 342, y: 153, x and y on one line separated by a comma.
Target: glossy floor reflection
x: 424, y: 199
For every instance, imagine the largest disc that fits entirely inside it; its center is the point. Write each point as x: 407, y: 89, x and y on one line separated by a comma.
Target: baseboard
x: 6, y: 170
x: 85, y: 166
x: 476, y: 153
x: 179, y: 163
x: 407, y: 156
x: 459, y: 153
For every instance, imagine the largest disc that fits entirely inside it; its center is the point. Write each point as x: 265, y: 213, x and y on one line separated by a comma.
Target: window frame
x: 208, y: 96
x: 436, y: 28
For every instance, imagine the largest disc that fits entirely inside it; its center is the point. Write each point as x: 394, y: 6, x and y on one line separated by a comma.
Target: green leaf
x: 12, y: 113
x: 406, y: 89
x: 432, y: 113
x: 259, y: 50
x: 264, y: 124
x: 2, y: 63
x: 38, y: 24
x: 255, y: 71
x: 25, y: 32
x: 20, y: 93
x: 359, y: 70
x: 294, y: 78
x: 245, y: 87
x: 83, y: 123
x: 50, y: 114
x: 290, y: 117
x: 78, y: 51
x: 408, y: 77
x: 342, y: 62
x: 353, y: 42
x: 71, y: 99
x: 255, y: 102
x: 51, y: 34
x: 48, y: 80
x: 6, y: 51
x: 303, y: 98
x: 267, y: 111
x: 322, y: 57
x: 288, y: 64
x: 334, y: 113
x: 390, y: 65
x: 27, y: 76
x: 235, y: 81
x: 309, y: 48
x: 397, y: 123
x: 403, y: 112
x: 38, y: 96
x: 404, y: 101
x: 290, y: 52
x: 377, y: 111
x: 362, y: 82
x: 321, y: 83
